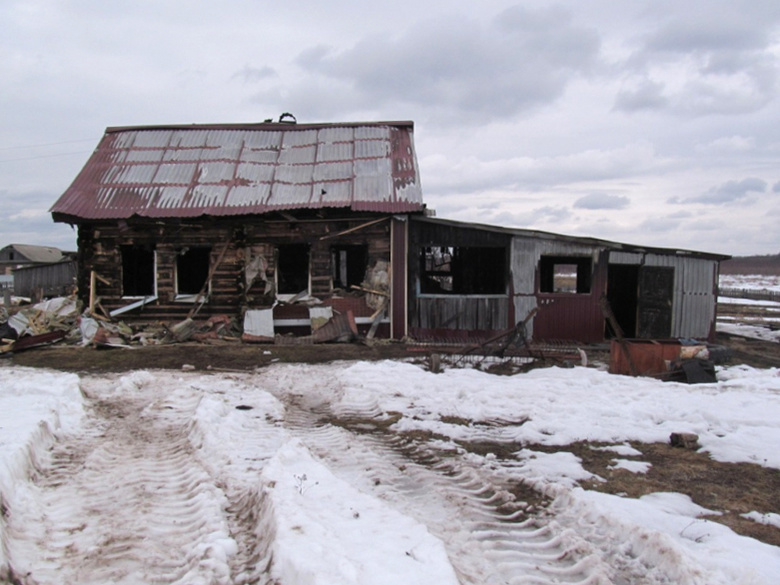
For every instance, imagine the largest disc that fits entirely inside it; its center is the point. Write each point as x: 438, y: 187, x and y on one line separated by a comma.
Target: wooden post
x: 610, y: 316
x: 92, y: 284
x: 212, y: 271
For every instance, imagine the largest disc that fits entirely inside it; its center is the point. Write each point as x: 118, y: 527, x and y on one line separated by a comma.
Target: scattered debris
x: 61, y: 319
x: 679, y: 360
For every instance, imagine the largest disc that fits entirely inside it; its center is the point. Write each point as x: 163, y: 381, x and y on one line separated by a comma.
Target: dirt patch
x: 729, y: 488
x: 217, y: 356
x: 226, y: 355
x: 752, y: 352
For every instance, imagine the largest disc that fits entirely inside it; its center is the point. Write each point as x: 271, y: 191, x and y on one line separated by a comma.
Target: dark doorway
x: 138, y: 271
x: 292, y: 271
x: 622, y: 294
x: 192, y: 270
x: 349, y: 265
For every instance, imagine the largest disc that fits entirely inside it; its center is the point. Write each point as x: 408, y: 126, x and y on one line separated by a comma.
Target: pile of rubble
x: 61, y: 319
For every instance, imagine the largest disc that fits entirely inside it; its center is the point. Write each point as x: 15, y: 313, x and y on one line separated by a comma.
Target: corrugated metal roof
x: 237, y: 169
x: 32, y: 253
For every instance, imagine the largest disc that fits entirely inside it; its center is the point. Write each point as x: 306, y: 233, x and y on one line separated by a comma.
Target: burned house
x: 293, y: 223
x: 243, y: 217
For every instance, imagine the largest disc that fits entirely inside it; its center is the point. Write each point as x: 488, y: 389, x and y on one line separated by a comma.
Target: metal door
x: 656, y: 290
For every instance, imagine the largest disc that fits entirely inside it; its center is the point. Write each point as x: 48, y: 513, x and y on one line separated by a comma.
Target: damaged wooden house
x: 283, y: 225
x: 287, y: 222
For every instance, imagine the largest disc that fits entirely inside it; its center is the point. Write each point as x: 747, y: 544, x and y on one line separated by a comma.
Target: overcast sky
x: 652, y: 122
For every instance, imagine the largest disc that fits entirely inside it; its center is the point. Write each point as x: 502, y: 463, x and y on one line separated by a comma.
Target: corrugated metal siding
x: 250, y: 169
x: 632, y: 258
x: 463, y: 313
x: 49, y: 279
x: 694, y: 298
x: 559, y: 316
x: 693, y: 304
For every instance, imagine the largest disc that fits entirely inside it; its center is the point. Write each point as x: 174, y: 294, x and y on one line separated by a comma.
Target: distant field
x: 766, y: 265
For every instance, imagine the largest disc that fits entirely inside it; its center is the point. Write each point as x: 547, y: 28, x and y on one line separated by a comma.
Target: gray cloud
x: 728, y: 192
x: 647, y: 95
x: 776, y: 187
x: 521, y: 60
x: 660, y: 224
x: 602, y: 201
x: 29, y: 220
x: 250, y: 74
x: 547, y: 215
x: 725, y: 52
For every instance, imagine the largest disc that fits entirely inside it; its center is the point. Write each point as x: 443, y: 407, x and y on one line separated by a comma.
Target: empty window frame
x: 565, y: 274
x: 138, y: 271
x: 192, y: 269
x: 348, y: 265
x: 460, y: 270
x: 292, y: 269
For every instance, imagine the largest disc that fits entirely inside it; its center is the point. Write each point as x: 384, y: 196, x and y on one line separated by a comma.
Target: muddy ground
x: 234, y: 355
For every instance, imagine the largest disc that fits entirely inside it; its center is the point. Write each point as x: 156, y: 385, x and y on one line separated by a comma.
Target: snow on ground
x: 752, y: 281
x: 34, y: 405
x: 748, y: 330
x: 319, y: 491
x: 754, y: 326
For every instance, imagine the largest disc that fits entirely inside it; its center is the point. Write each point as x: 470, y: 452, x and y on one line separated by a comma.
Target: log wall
x: 100, y: 250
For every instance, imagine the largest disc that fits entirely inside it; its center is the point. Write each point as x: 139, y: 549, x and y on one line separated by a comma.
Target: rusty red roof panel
x: 244, y: 169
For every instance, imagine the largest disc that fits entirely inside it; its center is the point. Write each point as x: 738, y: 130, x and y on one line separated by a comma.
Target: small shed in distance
x: 15, y: 256
x: 37, y: 271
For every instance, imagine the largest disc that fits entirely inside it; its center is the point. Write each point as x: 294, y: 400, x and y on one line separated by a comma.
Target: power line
x: 44, y: 156
x: 48, y: 144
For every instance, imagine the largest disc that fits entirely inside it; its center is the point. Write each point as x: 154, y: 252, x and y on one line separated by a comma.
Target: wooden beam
x: 196, y: 307
x: 354, y: 229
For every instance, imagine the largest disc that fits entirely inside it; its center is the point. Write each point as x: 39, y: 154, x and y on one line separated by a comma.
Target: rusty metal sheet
x: 237, y: 169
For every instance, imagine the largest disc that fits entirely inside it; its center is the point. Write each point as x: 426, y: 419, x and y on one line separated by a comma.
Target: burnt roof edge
x: 616, y: 246
x: 261, y: 126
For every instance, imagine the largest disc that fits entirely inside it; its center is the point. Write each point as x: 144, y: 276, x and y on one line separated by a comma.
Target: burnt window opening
x: 348, y: 265
x: 565, y: 274
x: 192, y: 270
x: 463, y: 270
x: 292, y: 269
x: 138, y: 271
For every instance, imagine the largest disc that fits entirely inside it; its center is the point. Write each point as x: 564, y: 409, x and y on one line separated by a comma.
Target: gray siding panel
x: 463, y: 312
x: 693, y: 309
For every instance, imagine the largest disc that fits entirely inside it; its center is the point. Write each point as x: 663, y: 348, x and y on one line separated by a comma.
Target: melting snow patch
x: 769, y: 518
x: 664, y: 533
x: 348, y: 537
x: 625, y: 450
x: 562, y: 467
x: 632, y: 466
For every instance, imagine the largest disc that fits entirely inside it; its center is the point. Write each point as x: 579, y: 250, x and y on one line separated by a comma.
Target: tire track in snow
x: 124, y: 501
x: 489, y: 536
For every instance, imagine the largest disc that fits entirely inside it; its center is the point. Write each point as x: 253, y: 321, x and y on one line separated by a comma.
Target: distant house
x: 296, y: 218
x: 37, y: 271
x: 20, y: 255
